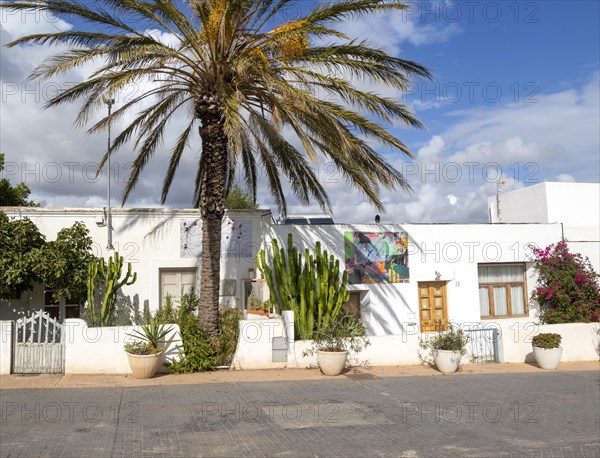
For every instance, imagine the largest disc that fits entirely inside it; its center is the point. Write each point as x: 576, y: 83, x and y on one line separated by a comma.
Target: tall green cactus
x: 110, y: 274
x: 309, y: 285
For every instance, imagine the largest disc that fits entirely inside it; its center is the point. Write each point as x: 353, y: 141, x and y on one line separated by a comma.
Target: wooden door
x: 432, y: 306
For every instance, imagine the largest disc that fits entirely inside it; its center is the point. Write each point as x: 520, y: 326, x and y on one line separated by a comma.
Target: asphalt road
x: 546, y: 414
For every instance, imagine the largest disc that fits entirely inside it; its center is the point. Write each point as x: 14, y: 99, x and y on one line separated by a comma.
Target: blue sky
x: 515, y: 99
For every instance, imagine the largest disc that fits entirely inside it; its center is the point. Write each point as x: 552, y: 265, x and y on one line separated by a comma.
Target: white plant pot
x: 447, y: 361
x: 547, y: 358
x: 144, y: 366
x: 332, y: 362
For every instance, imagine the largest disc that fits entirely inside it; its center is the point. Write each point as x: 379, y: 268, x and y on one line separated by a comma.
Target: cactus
x: 310, y: 285
x: 110, y: 274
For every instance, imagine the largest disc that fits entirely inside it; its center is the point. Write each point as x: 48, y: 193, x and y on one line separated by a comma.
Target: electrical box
x: 279, y: 348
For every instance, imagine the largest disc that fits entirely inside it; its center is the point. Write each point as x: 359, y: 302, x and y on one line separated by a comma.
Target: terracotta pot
x: 547, y: 358
x: 332, y: 362
x: 258, y: 312
x: 144, y: 366
x: 447, y: 361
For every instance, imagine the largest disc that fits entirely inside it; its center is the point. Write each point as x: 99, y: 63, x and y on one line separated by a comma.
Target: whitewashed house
x: 453, y: 272
x: 163, y: 246
x: 405, y: 279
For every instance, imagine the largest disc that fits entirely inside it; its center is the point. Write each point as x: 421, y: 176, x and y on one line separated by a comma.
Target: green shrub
x: 450, y: 340
x: 167, y: 314
x: 547, y: 340
x: 347, y: 332
x: 198, y: 354
x: 225, y: 343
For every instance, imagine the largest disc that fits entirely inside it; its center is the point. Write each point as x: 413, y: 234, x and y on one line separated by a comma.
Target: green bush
x: 450, y: 340
x: 547, y: 340
x: 225, y: 343
x: 200, y: 353
x: 347, y: 332
x: 168, y: 314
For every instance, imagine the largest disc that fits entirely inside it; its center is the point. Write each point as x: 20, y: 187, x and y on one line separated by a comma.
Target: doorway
x: 433, y: 311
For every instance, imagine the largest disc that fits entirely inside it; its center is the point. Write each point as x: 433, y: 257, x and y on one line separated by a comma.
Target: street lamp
x: 109, y: 103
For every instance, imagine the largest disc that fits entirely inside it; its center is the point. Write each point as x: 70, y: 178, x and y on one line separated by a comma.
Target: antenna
x: 499, y: 184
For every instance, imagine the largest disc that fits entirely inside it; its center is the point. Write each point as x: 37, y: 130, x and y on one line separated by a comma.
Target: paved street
x: 542, y: 414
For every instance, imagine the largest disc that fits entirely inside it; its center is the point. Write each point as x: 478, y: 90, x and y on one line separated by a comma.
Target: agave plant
x: 152, y: 333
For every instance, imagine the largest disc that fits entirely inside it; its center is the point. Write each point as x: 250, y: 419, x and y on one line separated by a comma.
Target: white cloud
x: 556, y: 138
x: 21, y: 23
x: 395, y: 28
x: 56, y: 160
x: 433, y: 149
x: 565, y: 177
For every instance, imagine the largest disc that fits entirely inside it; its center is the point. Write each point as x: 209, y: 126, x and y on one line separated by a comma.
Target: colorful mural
x: 376, y: 257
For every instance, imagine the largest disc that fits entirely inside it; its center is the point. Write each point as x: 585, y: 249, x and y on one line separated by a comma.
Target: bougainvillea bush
x: 567, y: 288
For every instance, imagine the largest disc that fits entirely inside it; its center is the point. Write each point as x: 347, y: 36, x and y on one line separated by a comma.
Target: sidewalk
x: 227, y: 376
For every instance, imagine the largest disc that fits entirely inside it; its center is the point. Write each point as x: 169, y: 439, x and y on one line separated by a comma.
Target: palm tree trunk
x: 212, y: 207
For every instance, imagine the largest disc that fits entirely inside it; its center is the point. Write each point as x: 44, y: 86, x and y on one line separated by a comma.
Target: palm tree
x: 239, y: 82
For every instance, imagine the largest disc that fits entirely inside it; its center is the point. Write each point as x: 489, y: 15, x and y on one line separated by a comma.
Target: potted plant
x: 145, y: 354
x: 448, y: 348
x: 547, y: 350
x: 256, y: 307
x: 334, y: 340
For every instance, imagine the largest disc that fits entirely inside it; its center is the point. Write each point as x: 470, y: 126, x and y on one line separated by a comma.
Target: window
x: 502, y: 290
x: 60, y: 310
x: 353, y: 304
x: 173, y: 281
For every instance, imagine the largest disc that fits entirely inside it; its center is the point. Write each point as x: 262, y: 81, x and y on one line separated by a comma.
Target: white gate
x: 38, y: 345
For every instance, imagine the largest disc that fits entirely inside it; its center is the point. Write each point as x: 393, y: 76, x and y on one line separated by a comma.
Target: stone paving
x: 543, y: 414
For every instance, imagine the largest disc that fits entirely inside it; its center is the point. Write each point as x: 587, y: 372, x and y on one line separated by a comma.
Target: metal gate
x: 39, y: 347
x: 483, y: 345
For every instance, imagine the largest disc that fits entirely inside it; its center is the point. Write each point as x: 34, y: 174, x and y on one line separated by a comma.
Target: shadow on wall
x: 385, y: 318
x: 158, y: 232
x: 127, y: 309
x: 389, y: 299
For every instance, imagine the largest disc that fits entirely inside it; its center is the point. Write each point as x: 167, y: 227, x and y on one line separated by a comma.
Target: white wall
x: 100, y: 350
x: 580, y: 342
x: 151, y: 239
x: 575, y: 205
x: 525, y: 205
x: 6, y: 346
x: 454, y: 250
x: 254, y: 349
